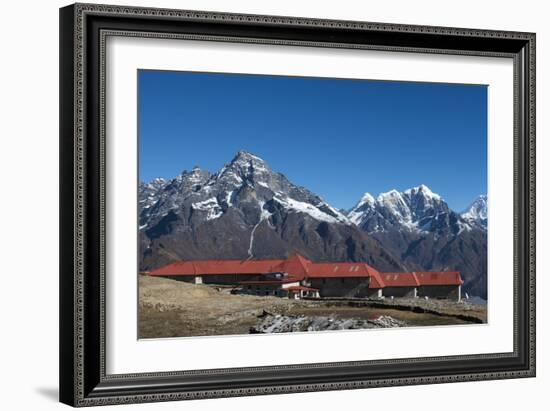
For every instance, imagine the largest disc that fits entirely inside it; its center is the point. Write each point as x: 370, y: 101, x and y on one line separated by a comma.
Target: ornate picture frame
x: 84, y: 30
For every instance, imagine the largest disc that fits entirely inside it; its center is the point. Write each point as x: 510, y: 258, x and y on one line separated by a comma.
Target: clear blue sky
x: 339, y: 138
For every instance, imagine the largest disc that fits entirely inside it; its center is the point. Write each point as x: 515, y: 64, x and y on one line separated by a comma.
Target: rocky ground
x: 475, y: 313
x: 270, y: 323
x: 169, y: 308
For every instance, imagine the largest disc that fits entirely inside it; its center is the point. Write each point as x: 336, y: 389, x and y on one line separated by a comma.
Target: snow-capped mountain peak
x: 246, y: 181
x: 392, y: 195
x: 245, y: 168
x: 395, y: 203
x: 418, y: 226
x: 363, y: 206
x: 248, y: 163
x: 246, y: 156
x: 476, y: 213
x: 414, y: 209
x: 366, y: 199
x: 424, y: 191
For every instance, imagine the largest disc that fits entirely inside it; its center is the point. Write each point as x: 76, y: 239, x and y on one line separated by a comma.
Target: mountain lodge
x: 298, y: 277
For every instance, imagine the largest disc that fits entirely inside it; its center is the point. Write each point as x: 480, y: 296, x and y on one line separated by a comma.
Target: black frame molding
x: 83, y: 30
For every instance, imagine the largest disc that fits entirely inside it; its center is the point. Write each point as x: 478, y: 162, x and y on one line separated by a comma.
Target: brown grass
x: 169, y: 308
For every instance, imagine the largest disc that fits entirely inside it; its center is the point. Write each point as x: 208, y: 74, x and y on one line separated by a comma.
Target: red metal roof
x: 298, y: 268
x: 439, y: 278
x: 295, y: 265
x: 218, y: 267
x: 376, y: 281
x: 339, y: 270
x: 399, y: 279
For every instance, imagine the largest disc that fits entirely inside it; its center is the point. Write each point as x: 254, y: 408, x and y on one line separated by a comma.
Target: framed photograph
x: 261, y: 204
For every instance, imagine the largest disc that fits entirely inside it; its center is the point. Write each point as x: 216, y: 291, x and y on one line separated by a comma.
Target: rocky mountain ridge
x: 246, y: 210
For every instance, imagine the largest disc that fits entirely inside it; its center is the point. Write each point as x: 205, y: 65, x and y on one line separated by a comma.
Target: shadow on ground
x: 51, y: 393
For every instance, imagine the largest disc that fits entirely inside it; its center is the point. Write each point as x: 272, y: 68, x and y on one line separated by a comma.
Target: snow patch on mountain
x: 228, y: 198
x: 210, y: 206
x: 312, y: 211
x: 264, y: 216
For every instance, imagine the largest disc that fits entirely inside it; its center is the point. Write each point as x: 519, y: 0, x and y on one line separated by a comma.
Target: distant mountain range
x: 423, y: 233
x: 246, y: 210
